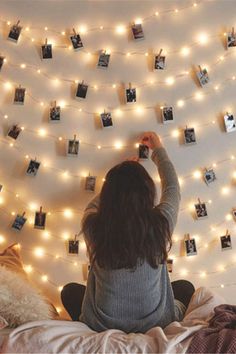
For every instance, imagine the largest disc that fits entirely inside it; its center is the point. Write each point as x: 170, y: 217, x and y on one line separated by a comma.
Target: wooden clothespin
x: 200, y: 69
x: 199, y: 201
x: 130, y: 85
x: 23, y: 214
x: 17, y: 23
x: 187, y: 237
x: 74, y: 31
x: 41, y: 210
x: 232, y: 31
x: 158, y: 56
x: 74, y: 138
x: 227, y: 233
x: 46, y: 41
x: 55, y: 104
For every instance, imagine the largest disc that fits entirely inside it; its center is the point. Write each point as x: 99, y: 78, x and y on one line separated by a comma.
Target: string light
x: 203, y: 38
x: 44, y: 278
x: 68, y: 213
x: 2, y: 239
x: 39, y: 252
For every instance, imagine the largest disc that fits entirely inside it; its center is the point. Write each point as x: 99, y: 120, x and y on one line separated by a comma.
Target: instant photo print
x: 103, y: 60
x: 73, y: 247
x: 226, y: 243
x: 55, y: 114
x: 33, y: 168
x: 159, y: 61
x: 106, y: 120
x: 201, y: 210
x: 40, y: 220
x: 231, y: 39
x: 190, y: 247
x: 73, y: 147
x: 81, y: 90
x: 167, y: 114
x: 169, y: 263
x: 189, y: 136
x: 137, y: 31
x: 203, y: 76
x: 90, y: 183
x: 1, y: 61
x: 230, y: 124
x: 46, y: 51
x: 15, y: 32
x: 14, y: 131
x: 209, y: 176
x: 130, y: 95
x: 143, y: 152
x: 76, y: 41
x: 19, y: 97
x: 19, y: 222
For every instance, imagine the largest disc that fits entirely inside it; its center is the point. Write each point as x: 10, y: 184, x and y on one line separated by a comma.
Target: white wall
x: 169, y: 31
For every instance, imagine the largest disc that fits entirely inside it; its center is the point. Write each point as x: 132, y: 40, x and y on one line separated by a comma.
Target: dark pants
x: 72, y: 296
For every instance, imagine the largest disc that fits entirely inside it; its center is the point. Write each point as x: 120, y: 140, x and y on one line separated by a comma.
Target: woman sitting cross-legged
x: 128, y: 239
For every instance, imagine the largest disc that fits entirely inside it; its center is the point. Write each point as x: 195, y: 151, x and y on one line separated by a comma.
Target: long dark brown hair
x: 127, y: 229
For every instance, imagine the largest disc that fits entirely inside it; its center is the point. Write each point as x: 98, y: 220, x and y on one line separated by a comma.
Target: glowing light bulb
x: 180, y: 103
x: 128, y: 54
x: 120, y: 29
x: 234, y: 174
x: 42, y: 132
x: 33, y: 206
x: 157, y: 13
x: 118, y: 145
x: 5, y: 116
x: 195, y: 4
x: 181, y: 181
x: 63, y: 33
x: 183, y: 272
x: 197, y: 174
x: 139, y: 110
x: 114, y: 86
x: 23, y: 66
x: 176, y: 11
x: 1, y: 200
x: 228, y: 217
x: 83, y: 29
x: 44, y: 278
x: 99, y: 147
x: 170, y: 80
x: 185, y: 51
x: 60, y: 138
x: 233, y: 77
x: 2, y: 239
x: 8, y: 85
x: 222, y: 285
x: 68, y: 213
x: 203, y: 274
x: 101, y: 27
x: 39, y: 252
x: 45, y: 28
x: 203, y: 38
x: 175, y: 133
x: 38, y: 71
x: 225, y: 190
x: 138, y: 21
x: 60, y: 288
x: 28, y: 269
x: 46, y: 235
x: 13, y: 213
x: 198, y: 96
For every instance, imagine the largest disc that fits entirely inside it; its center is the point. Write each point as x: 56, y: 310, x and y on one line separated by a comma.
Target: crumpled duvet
x: 75, y: 337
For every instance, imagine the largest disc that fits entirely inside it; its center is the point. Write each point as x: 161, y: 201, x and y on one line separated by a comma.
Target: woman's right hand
x: 151, y: 139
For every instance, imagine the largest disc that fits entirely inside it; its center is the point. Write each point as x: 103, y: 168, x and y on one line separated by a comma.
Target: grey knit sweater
x: 136, y: 300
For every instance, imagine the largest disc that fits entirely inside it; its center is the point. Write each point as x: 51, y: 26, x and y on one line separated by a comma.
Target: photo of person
x: 169, y: 263
x: 231, y: 39
x: 33, y: 168
x: 73, y: 147
x: 1, y: 61
x: 103, y: 60
x: 14, y: 132
x: 230, y: 124
x: 137, y: 31
x: 226, y: 242
x: 209, y: 176
x: 203, y: 76
x: 167, y: 115
x: 14, y: 33
x: 40, y: 220
x: 106, y: 120
x: 55, y: 114
x: 90, y: 183
x: 159, y: 62
x: 81, y: 90
x: 19, y: 95
x: 19, y: 222
x: 130, y: 95
x: 190, y: 247
x: 143, y: 152
x: 201, y: 211
x: 73, y: 247
x: 189, y: 136
x: 76, y: 41
x: 47, y: 51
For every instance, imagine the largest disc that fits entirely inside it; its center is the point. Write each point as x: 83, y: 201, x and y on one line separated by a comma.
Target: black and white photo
x: 190, y: 247
x: 73, y: 147
x: 46, y: 51
x: 143, y: 152
x: 81, y: 91
x: 19, y: 222
x: 189, y: 136
x: 209, y: 176
x: 131, y: 95
x: 76, y: 41
x: 167, y: 114
x: 2, y: 59
x: 226, y: 243
x: 169, y: 263
x: 19, y: 97
x: 55, y: 114
x: 231, y: 39
x: 159, y: 61
x: 40, y: 219
x: 14, y: 131
x: 33, y: 168
x: 201, y: 210
x: 137, y: 31
x: 90, y: 183
x: 203, y: 76
x: 73, y: 247
x: 15, y: 32
x: 103, y: 60
x: 230, y: 124
x: 106, y: 119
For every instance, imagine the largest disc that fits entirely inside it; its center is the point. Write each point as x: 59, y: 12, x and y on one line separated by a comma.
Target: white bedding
x: 75, y: 337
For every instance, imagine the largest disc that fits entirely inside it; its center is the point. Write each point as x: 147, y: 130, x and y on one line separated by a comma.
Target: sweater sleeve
x: 170, y: 194
x: 92, y: 207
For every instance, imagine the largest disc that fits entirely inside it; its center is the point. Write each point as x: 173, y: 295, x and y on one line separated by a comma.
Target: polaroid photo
x: 106, y: 120
x: 167, y: 115
x: 190, y: 247
x: 73, y: 247
x: 14, y: 131
x: 90, y: 183
x: 189, y: 136
x: 19, y: 97
x: 201, y: 210
x: 209, y: 176
x: 143, y: 152
x: 76, y: 41
x: 231, y: 39
x: 19, y: 222
x: 14, y: 33
x: 226, y: 243
x: 1, y: 187
x: 131, y: 95
x: 203, y: 77
x: 40, y: 220
x: 103, y: 60
x: 33, y: 168
x: 1, y: 61
x: 159, y: 62
x: 169, y: 263
x: 230, y: 124
x: 73, y: 147
x: 55, y: 114
x: 46, y: 51
x: 81, y: 90
x: 137, y: 31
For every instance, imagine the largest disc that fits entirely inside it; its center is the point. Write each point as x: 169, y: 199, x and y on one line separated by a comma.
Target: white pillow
x: 20, y: 302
